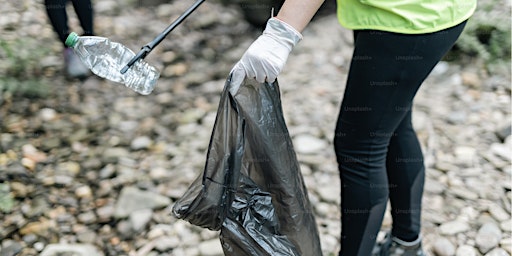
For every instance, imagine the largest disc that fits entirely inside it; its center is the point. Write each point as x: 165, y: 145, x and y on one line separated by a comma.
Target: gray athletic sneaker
x: 392, y: 246
x: 74, y: 66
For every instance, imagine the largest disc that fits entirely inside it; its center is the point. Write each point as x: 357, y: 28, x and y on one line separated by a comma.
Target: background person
x: 56, y: 10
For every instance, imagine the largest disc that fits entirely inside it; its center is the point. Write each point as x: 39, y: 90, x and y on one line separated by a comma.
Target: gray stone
x: 497, y: 252
x: 506, y: 243
x: 140, y: 218
x: 124, y: 230
x: 132, y: 199
x: 502, y: 150
x: 111, y: 155
x: 79, y: 135
x: 39, y: 246
x: 71, y: 249
x: 506, y: 225
x: 166, y: 243
x: 211, y: 248
x: 50, y: 62
x: 454, y: 227
x: 107, y: 171
x: 488, y: 237
x: 443, y: 247
x: 142, y: 142
x: 108, y: 7
x: 38, y: 206
x: 86, y: 237
x: 465, y: 155
x: 434, y: 186
x: 160, y: 230
x: 62, y: 180
x: 160, y: 173
x: 106, y: 212
x: 308, y: 144
x: 10, y: 248
x: 329, y: 193
x: 83, y: 192
x: 29, y: 239
x: 498, y: 213
x: 463, y: 193
x: 457, y: 117
x: 48, y: 114
x: 466, y: 250
x: 87, y: 217
x: 51, y: 143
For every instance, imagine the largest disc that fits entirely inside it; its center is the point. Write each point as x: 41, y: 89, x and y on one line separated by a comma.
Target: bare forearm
x: 298, y: 13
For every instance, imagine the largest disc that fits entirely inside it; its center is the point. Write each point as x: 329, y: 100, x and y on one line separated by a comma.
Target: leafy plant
x: 22, y: 57
x: 20, y: 72
x: 30, y: 88
x: 6, y: 199
x: 487, y: 33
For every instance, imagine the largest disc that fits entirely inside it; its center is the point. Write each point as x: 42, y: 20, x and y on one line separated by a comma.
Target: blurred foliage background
x: 487, y: 36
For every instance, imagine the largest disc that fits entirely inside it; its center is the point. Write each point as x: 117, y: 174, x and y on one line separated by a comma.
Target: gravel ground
x: 94, y: 168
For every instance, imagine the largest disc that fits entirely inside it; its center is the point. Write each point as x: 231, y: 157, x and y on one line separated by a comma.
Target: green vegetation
x: 6, y: 198
x: 487, y: 35
x: 22, y: 75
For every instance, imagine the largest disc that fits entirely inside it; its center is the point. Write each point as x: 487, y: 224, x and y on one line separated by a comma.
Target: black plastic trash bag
x: 252, y: 188
x: 252, y: 228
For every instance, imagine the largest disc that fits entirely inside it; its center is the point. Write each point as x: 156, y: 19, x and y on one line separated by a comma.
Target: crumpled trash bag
x: 251, y: 187
x: 253, y: 226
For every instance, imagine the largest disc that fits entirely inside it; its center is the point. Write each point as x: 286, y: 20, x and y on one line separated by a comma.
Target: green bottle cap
x: 72, y: 39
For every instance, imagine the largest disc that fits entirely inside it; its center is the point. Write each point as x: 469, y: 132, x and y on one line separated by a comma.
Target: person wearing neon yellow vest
x: 379, y: 156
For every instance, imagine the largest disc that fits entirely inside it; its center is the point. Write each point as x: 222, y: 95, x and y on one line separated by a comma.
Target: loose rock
x: 488, y: 237
x: 443, y: 247
x: 74, y: 249
x: 132, y: 199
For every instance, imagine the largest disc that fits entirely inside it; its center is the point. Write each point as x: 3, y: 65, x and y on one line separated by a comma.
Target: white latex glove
x: 266, y: 56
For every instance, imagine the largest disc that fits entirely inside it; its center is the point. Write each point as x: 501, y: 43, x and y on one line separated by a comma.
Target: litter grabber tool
x: 116, y: 62
x: 146, y: 49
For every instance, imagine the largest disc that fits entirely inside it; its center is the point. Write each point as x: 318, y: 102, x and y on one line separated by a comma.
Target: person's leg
x: 406, y: 174
x: 84, y: 12
x: 405, y: 168
x: 386, y: 71
x: 56, y: 10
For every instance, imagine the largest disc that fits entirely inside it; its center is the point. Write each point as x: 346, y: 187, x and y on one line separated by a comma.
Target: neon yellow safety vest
x: 404, y: 16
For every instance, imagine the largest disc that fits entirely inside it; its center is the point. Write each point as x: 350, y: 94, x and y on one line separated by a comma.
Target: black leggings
x: 56, y: 10
x: 378, y: 153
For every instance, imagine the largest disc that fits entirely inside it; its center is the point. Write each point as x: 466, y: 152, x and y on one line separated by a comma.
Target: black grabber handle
x: 146, y: 49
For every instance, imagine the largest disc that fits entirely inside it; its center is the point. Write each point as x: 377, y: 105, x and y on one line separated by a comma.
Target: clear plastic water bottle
x: 106, y: 59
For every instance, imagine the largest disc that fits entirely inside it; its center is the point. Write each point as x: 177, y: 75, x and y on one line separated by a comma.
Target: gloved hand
x: 266, y: 56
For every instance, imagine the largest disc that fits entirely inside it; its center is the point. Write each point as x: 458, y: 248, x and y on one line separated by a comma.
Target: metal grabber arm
x: 146, y: 49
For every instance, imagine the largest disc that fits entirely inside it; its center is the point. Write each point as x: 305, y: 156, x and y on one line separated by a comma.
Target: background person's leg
x: 84, y: 12
x: 56, y: 10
